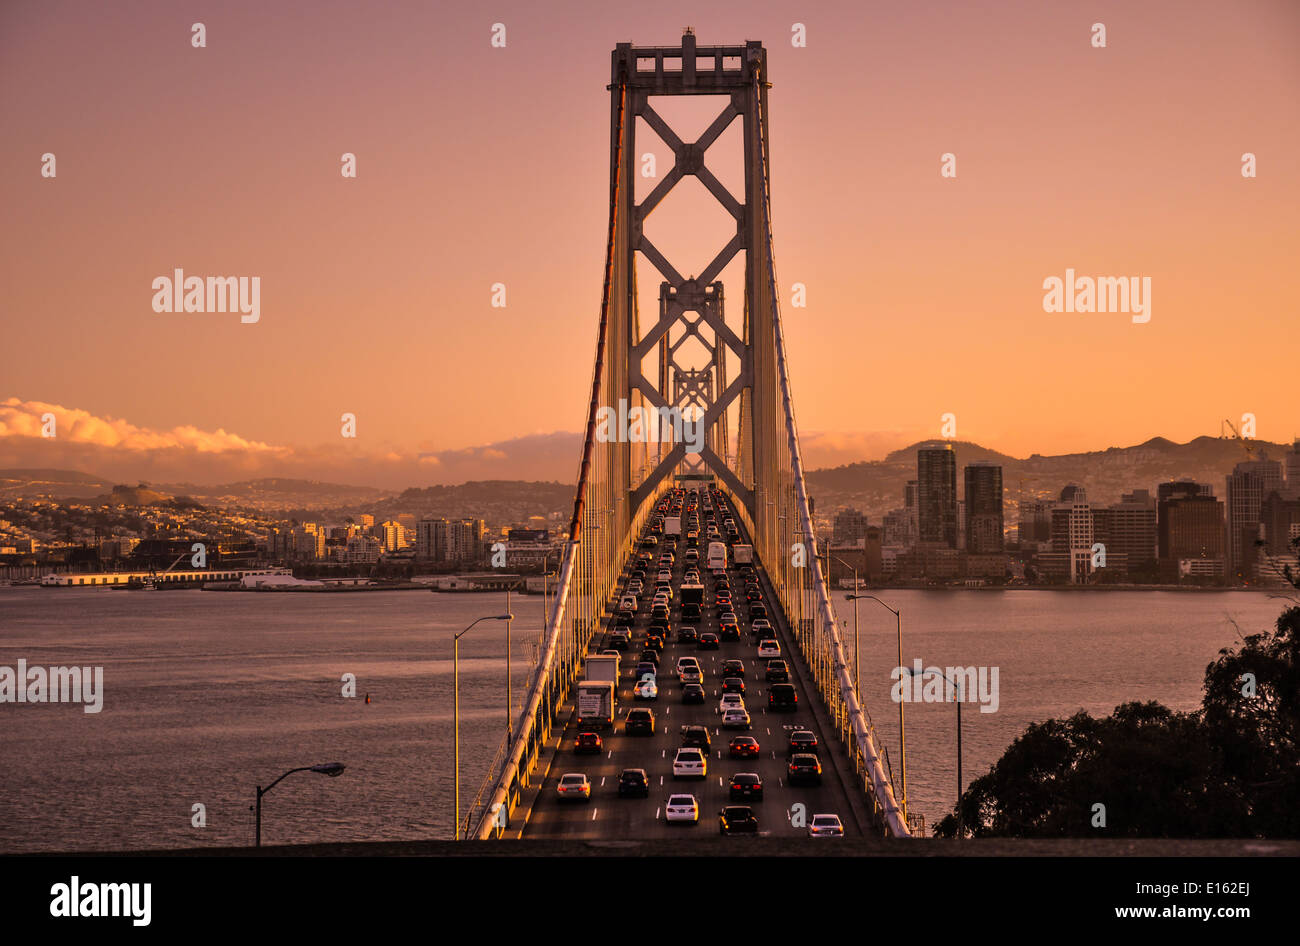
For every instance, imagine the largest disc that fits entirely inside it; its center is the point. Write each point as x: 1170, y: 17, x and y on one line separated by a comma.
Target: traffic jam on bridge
x: 690, y: 709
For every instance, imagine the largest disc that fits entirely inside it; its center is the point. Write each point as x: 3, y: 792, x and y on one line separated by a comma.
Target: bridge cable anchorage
x: 561, y: 656
x: 882, y: 790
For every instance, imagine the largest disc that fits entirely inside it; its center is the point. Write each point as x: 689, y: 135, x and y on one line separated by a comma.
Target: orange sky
x: 479, y: 165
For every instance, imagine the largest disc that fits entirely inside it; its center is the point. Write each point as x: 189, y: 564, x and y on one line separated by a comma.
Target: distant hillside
x: 877, y: 487
x: 58, y: 484
x: 498, y: 501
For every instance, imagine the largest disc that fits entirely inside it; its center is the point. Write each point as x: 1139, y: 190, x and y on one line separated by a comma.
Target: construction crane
x: 1250, y: 451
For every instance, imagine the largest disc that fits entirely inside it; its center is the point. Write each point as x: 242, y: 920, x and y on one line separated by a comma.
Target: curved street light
x: 960, y: 698
x: 455, y: 645
x: 902, y: 738
x: 332, y: 769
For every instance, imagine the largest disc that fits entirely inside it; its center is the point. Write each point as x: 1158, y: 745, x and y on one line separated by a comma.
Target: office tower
x: 984, y: 508
x: 1248, y: 485
x: 936, y: 494
x: 1190, y: 528
x: 850, y: 525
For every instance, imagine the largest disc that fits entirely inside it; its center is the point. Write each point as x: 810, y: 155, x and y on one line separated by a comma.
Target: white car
x: 727, y: 617
x: 684, y: 662
x: 690, y: 763
x: 665, y: 575
x: 690, y: 675
x: 575, y: 786
x: 769, y: 648
x: 646, y: 688
x: 628, y: 603
x: 762, y: 626
x: 826, y: 826
x: 731, y: 701
x: 735, y: 719
x: 683, y: 808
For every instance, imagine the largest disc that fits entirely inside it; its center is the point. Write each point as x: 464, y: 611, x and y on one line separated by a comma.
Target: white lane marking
x: 664, y: 754
x: 610, y: 755
x: 779, y: 782
x: 661, y: 780
x: 602, y: 781
x: 769, y: 729
x: 594, y: 812
x: 657, y: 810
x: 719, y: 781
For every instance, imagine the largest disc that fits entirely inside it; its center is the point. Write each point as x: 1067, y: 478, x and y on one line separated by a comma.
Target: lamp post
x: 857, y: 688
x: 332, y: 769
x: 902, y: 738
x: 455, y: 676
x: 960, y: 699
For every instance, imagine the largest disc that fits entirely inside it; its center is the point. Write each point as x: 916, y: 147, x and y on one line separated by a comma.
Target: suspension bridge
x: 728, y: 371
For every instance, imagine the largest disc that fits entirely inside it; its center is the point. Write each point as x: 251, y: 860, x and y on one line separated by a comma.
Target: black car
x: 746, y: 785
x: 804, y: 767
x: 619, y: 641
x: 708, y: 641
x: 729, y: 632
x: 693, y: 693
x: 733, y: 685
x: 633, y: 782
x: 777, y: 671
x: 732, y: 668
x: 781, y: 697
x: 737, y: 819
x: 688, y: 635
x: 757, y: 610
x: 801, y: 740
x: 695, y: 737
x: 640, y: 721
x: 690, y: 612
x: 650, y: 655
x: 653, y: 641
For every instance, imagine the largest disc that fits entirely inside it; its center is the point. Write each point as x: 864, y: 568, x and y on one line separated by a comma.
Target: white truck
x: 673, y: 525
x: 743, y: 554
x: 595, y: 703
x: 717, y: 557
x: 602, y: 668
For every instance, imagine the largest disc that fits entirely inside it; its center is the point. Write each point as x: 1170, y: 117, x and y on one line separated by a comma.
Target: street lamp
x: 455, y: 650
x: 960, y: 698
x: 332, y: 769
x: 902, y: 739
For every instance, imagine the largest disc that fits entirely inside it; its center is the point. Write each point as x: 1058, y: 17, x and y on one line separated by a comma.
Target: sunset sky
x: 479, y: 165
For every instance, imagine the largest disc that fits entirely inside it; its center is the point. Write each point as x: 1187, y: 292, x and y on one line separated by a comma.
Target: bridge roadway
x: 607, y: 816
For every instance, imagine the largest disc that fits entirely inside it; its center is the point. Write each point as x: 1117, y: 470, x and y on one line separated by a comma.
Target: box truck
x: 673, y: 525
x: 596, y: 703
x: 717, y: 557
x: 602, y: 668
x: 743, y: 554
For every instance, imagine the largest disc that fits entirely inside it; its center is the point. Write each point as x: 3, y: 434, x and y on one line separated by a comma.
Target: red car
x: 743, y: 747
x: 587, y: 743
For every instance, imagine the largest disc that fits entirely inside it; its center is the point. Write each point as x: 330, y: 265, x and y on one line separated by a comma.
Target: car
x: 753, y: 595
x: 633, y: 782
x: 573, y: 786
x: 619, y: 641
x: 693, y: 693
x: 746, y: 785
x: 646, y: 688
x: 687, y: 661
x: 729, y: 617
x: 626, y: 618
x: 587, y: 743
x: 628, y: 603
x: 757, y: 610
x: 659, y: 611
x: 762, y: 628
x: 781, y: 697
x: 732, y: 668
x: 644, y: 667
x: 731, y: 701
x: 690, y: 612
x: 708, y: 641
x: 654, y: 641
x: 743, y: 747
x: 688, y: 635
x: 733, y: 685
x: 692, y: 675
x: 650, y: 655
x: 640, y: 721
x: 729, y: 632
x: 825, y: 826
x: 682, y: 808
x: 768, y: 648
x: 804, y: 767
x: 696, y: 737
x: 777, y: 672
x: 801, y: 740
x: 737, y: 819
x: 690, y: 763
x: 735, y: 719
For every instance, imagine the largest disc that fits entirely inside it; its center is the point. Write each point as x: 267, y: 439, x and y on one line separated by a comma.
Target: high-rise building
x: 367, y: 520
x: 1035, y: 523
x: 1072, y: 537
x: 1189, y: 522
x: 1280, y: 517
x: 1127, y: 530
x: 936, y: 494
x: 850, y: 525
x: 442, y: 540
x: 1291, y: 462
x: 984, y: 508
x: 1248, y: 485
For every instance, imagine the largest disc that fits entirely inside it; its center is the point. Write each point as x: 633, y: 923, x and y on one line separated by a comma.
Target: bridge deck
x: 608, y: 816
